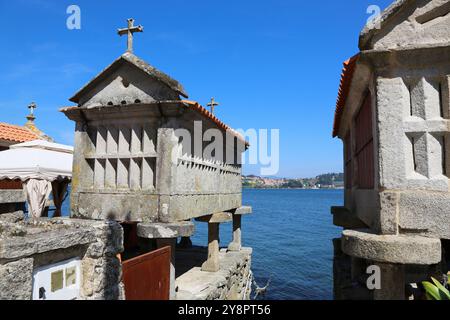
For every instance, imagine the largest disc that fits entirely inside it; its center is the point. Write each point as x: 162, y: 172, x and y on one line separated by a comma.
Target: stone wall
x: 28, y: 245
x: 232, y: 282
x: 12, y: 201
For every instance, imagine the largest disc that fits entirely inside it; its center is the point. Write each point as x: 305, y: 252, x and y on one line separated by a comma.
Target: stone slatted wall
x: 122, y: 158
x: 427, y: 145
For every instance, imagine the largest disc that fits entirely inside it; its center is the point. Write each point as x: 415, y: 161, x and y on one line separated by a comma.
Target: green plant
x: 435, y: 290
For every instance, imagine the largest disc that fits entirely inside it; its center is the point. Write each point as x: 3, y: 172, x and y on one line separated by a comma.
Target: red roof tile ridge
x: 344, y: 88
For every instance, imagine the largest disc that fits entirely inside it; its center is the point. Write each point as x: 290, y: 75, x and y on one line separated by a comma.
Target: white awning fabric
x: 37, y: 159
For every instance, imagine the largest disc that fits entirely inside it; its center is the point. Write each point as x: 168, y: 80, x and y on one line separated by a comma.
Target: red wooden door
x: 147, y: 277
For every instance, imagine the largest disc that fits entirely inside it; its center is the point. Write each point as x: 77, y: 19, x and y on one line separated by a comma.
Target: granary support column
x: 390, y: 253
x: 392, y: 282
x: 236, y: 244
x: 212, y: 264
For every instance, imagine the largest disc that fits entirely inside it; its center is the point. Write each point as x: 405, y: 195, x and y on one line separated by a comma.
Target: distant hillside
x: 330, y: 178
x: 323, y: 181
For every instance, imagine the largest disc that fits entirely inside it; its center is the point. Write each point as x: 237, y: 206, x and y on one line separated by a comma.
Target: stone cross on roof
x: 129, y: 31
x: 213, y: 104
x: 32, y: 106
x: 31, y: 116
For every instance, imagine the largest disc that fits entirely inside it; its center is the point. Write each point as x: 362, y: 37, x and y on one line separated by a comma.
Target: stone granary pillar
x: 392, y: 282
x: 212, y: 263
x: 236, y: 244
x: 391, y: 253
x: 166, y: 235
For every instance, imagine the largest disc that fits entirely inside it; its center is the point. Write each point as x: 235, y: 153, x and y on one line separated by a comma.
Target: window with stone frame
x: 364, y: 147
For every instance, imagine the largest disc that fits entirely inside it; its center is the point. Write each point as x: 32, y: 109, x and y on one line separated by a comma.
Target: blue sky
x: 271, y: 64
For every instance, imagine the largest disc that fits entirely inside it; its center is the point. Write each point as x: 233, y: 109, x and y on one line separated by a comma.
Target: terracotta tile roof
x: 17, y: 134
x: 344, y: 88
x: 203, y: 111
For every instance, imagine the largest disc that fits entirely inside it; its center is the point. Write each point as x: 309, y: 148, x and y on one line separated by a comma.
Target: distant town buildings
x: 324, y: 181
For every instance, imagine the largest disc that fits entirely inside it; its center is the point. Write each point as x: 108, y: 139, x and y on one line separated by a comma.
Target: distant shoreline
x: 253, y: 188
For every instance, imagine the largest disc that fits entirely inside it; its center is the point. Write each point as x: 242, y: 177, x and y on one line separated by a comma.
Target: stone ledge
x: 342, y: 217
x: 221, y: 217
x: 165, y: 230
x: 242, y: 211
x: 399, y: 249
x: 18, y: 247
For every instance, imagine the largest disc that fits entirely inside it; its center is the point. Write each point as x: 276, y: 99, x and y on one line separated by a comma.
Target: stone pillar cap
x: 397, y: 249
x: 165, y: 230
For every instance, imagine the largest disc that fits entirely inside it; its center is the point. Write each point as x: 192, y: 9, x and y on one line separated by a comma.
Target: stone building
x: 44, y: 259
x: 143, y: 157
x: 393, y: 116
x: 12, y: 197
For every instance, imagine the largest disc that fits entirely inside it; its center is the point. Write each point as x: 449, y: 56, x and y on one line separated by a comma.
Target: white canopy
x: 36, y: 160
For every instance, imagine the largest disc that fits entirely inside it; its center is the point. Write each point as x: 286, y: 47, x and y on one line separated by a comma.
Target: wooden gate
x: 147, y: 277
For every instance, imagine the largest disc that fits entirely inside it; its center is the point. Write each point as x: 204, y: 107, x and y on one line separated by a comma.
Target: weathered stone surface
x: 87, y: 276
x: 197, y: 205
x: 12, y: 196
x: 244, y: 210
x: 426, y: 213
x: 236, y: 243
x: 165, y: 230
x: 16, y: 247
x: 12, y: 217
x: 342, y: 217
x: 212, y: 263
x: 16, y: 280
x: 220, y: 217
x: 388, y: 213
x: 118, y: 206
x: 391, y: 249
x: 403, y: 25
x: 8, y: 229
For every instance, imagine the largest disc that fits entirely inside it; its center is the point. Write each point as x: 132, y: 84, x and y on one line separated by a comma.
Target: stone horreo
x: 393, y: 116
x: 143, y: 157
x: 146, y: 164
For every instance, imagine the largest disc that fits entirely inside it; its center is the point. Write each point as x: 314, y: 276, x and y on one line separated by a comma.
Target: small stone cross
x: 32, y: 106
x: 129, y: 31
x: 213, y: 104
